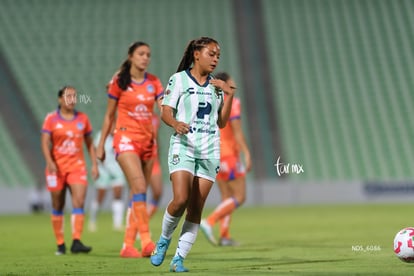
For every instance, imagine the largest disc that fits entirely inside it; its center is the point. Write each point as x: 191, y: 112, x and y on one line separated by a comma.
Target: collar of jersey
x: 191, y: 77
x: 60, y: 116
x: 139, y: 83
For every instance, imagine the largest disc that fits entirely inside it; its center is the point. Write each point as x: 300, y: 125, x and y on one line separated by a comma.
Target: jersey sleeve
x: 88, y: 126
x: 172, y: 92
x: 235, y: 109
x: 47, y: 126
x: 159, y: 89
x: 114, y: 91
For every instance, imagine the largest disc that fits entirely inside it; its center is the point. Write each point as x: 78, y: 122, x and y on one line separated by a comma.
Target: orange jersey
x: 135, y: 107
x: 67, y: 137
x: 228, y: 143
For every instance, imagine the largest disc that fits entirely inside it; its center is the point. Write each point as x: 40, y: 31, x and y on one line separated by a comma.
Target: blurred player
x: 110, y: 176
x: 63, y: 133
x: 133, y: 92
x: 231, y: 177
x: 156, y: 175
x: 193, y: 106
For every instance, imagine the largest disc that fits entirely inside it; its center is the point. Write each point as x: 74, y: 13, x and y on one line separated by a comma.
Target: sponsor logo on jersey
x: 150, y: 88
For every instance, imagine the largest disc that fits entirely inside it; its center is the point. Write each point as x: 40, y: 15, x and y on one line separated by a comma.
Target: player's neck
x: 67, y: 114
x: 200, y: 77
x: 137, y: 75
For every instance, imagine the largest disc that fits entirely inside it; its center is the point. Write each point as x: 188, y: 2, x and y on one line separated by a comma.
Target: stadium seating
x: 82, y: 43
x: 13, y: 171
x: 343, y: 71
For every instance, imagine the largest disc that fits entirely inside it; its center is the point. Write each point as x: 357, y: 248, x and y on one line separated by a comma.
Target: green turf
x: 299, y: 240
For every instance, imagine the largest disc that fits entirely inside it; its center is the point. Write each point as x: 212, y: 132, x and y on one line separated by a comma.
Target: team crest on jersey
x: 79, y: 125
x: 175, y: 159
x: 150, y: 88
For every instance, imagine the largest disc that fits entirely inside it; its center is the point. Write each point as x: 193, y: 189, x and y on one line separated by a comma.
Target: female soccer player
x: 63, y: 133
x: 110, y: 176
x: 194, y: 107
x: 231, y: 177
x: 133, y: 92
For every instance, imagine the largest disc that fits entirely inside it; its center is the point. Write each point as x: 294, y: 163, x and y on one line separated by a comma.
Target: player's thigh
x: 238, y: 188
x: 199, y: 193
x: 132, y: 167
x: 225, y: 189
x: 156, y: 185
x: 78, y: 184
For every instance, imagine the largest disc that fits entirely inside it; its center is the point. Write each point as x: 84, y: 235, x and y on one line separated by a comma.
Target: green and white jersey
x: 199, y: 106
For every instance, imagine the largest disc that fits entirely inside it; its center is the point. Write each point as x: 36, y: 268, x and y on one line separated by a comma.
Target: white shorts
x: 110, y: 175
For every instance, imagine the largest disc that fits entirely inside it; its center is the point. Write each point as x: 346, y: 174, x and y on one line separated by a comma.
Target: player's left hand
x: 220, y: 84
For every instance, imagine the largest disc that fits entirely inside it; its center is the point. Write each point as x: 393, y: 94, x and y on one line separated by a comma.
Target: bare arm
x: 92, y: 155
x: 225, y: 111
x: 108, y: 120
x: 168, y: 118
x: 236, y: 125
x: 47, y: 153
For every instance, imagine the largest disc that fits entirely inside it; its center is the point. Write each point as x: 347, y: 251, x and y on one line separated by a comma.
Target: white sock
x: 117, y: 213
x: 93, y: 211
x: 187, y: 238
x: 169, y: 223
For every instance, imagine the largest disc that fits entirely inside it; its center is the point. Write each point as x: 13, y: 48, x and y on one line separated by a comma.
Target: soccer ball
x: 404, y: 245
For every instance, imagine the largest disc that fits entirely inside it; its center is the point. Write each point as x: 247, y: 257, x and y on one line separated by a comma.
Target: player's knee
x: 240, y: 199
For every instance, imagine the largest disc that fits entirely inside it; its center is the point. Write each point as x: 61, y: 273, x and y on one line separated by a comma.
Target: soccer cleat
x: 228, y: 242
x: 79, y: 247
x: 158, y: 255
x: 61, y: 249
x: 208, y: 232
x: 147, y: 250
x: 130, y: 252
x: 177, y: 265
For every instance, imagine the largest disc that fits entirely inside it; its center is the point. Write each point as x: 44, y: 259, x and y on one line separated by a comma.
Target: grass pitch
x: 294, y: 240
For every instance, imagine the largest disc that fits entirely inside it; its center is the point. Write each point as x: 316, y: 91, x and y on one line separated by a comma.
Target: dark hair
x: 224, y: 76
x: 124, y: 76
x: 63, y: 89
x: 193, y: 45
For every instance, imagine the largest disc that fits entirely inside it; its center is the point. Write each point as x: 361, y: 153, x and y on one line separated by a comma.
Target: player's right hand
x: 181, y: 128
x: 100, y: 154
x: 51, y: 167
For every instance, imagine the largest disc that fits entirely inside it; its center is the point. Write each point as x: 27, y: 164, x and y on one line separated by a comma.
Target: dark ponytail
x: 194, y: 45
x: 124, y: 75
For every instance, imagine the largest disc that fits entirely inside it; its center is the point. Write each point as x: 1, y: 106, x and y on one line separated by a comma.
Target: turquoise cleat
x: 158, y: 255
x: 177, y: 265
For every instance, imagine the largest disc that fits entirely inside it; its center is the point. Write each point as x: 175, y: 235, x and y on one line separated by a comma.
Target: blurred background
x: 326, y: 87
